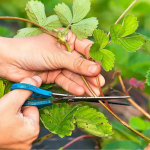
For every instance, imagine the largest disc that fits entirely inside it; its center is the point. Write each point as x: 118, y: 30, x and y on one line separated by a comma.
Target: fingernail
x: 37, y: 78
x: 92, y: 69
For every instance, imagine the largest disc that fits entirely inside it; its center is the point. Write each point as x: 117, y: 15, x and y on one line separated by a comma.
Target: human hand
x: 19, y: 126
x: 42, y: 55
x: 148, y: 147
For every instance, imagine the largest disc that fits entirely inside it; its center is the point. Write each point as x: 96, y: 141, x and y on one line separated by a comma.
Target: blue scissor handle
x: 38, y: 103
x: 37, y: 92
x: 43, y: 95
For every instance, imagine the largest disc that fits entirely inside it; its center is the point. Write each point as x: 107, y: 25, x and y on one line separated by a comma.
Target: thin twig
x: 79, y: 138
x: 130, y: 99
x: 26, y: 20
x: 116, y: 91
x: 124, y: 123
x: 132, y: 4
x: 128, y: 90
x: 115, y: 82
x: 43, y: 138
x: 120, y: 120
x: 100, y: 89
x: 88, y: 86
x: 68, y: 47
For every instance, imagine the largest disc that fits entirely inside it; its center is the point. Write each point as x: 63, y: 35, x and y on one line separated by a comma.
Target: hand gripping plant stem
x: 67, y: 45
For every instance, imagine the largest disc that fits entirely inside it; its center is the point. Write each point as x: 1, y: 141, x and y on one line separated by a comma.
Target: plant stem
x: 102, y: 94
x: 131, y: 100
x: 31, y: 22
x: 127, y: 125
x: 90, y: 89
x: 123, y: 122
x: 109, y: 43
x: 123, y: 14
x: 115, y: 82
x: 79, y: 138
x: 68, y: 47
x: 129, y: 89
x: 43, y: 138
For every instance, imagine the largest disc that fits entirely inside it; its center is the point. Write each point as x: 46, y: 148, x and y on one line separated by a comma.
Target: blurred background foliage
x: 130, y: 64
x: 107, y: 11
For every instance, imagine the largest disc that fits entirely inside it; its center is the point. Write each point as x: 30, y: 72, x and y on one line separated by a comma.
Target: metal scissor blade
x: 62, y: 95
x: 96, y: 98
x: 92, y: 101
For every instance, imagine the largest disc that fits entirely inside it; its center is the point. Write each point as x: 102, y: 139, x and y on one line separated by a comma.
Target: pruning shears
x: 41, y: 98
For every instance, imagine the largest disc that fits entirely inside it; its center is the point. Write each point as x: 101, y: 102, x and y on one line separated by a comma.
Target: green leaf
x: 106, y: 57
x: 59, y: 119
x: 107, y: 60
x: 116, y: 31
x: 64, y: 13
x: 8, y: 85
x: 90, y: 105
x: 47, y: 86
x: 137, y: 123
x: 148, y: 78
x: 95, y: 52
x: 93, y: 122
x: 52, y: 22
x: 65, y: 31
x: 27, y: 32
x: 80, y: 9
x: 143, y: 142
x: 123, y: 145
x: 101, y: 38
x: 5, y: 32
x: 84, y: 28
x: 120, y: 34
x: 132, y: 43
x: 36, y: 12
x: 124, y: 132
x: 2, y: 88
x: 130, y: 25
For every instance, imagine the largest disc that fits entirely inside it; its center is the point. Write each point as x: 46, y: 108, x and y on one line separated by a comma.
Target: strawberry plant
x: 61, y: 119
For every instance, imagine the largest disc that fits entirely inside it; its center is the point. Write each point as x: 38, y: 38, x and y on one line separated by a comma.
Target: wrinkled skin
x: 42, y: 55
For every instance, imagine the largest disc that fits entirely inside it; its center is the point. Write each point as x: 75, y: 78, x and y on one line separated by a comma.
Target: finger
x: 16, y: 98
x: 49, y: 76
x: 74, y: 62
x: 93, y: 80
x: 32, y: 114
x: 75, y: 77
x: 69, y: 85
x: 78, y: 80
x: 82, y: 46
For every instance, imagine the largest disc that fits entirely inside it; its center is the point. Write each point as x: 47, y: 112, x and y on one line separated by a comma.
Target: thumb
x: 76, y: 63
x: 16, y: 98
